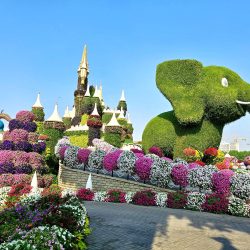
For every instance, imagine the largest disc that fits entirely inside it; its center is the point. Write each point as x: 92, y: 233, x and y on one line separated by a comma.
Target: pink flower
x: 221, y: 181
x: 6, y: 136
x: 143, y: 167
x: 35, y: 160
x: 156, y: 150
x: 18, y: 135
x: 83, y: 155
x: 110, y: 160
x: 6, y: 156
x: 179, y: 175
x: 25, y: 116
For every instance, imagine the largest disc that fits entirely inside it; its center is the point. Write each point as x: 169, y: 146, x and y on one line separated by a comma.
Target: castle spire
x: 84, y: 62
x: 123, y: 96
x: 55, y: 117
x: 38, y: 102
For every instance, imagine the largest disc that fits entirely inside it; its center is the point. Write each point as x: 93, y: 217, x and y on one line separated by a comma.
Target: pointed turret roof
x: 84, y: 62
x: 96, y: 94
x: 87, y: 91
x: 55, y: 117
x: 73, y: 112
x: 113, y: 121
x: 66, y: 113
x: 100, y: 92
x: 121, y: 115
x: 95, y: 111
x: 38, y: 102
x: 123, y: 96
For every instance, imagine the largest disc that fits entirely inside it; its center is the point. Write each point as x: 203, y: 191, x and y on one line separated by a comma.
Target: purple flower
x: 82, y: 154
x: 7, y: 145
x: 142, y: 167
x: 30, y: 126
x: 110, y: 160
x: 179, y: 175
x: 24, y: 169
x: 167, y: 159
x: 15, y: 124
x: 7, y: 168
x: 23, y: 146
x: 221, y: 181
x: 25, y: 116
x: 135, y: 150
x: 156, y: 150
x: 139, y: 155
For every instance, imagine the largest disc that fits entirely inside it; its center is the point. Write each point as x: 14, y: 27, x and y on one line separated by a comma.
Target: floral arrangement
x: 138, y: 151
x: 143, y: 167
x: 161, y: 199
x: 156, y: 150
x: 195, y: 200
x: 215, y: 203
x: 144, y: 198
x: 94, y: 121
x: 126, y: 162
x: 25, y: 116
x: 6, y: 168
x: 221, y: 181
x: 18, y: 135
x: 160, y: 173
x: 83, y: 155
x: 179, y: 175
x: 240, y: 186
x: 95, y: 160
x: 116, y: 195
x: 7, y: 145
x: 70, y: 157
x: 192, y: 155
x: 85, y: 194
x: 61, y: 143
x: 33, y: 137
x: 110, y: 160
x: 102, y: 145
x: 62, y: 151
x: 238, y: 207
x: 201, y: 177
x: 177, y: 199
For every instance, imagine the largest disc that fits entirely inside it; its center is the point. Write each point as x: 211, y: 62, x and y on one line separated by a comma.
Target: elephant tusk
x: 241, y: 102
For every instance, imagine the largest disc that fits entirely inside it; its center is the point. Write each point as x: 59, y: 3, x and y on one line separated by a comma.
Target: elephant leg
x: 160, y: 131
x: 199, y: 137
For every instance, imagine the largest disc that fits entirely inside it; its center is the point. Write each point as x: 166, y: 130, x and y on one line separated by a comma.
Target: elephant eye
x: 224, y: 82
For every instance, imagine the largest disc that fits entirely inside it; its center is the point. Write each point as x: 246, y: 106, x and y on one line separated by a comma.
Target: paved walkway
x: 130, y: 227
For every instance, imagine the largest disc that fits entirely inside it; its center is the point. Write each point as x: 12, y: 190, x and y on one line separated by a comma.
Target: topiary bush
x: 240, y: 186
x: 144, y: 198
x: 95, y: 160
x: 143, y: 167
x: 38, y: 114
x: 177, y: 199
x: 203, y: 100
x: 126, y: 162
x: 110, y: 160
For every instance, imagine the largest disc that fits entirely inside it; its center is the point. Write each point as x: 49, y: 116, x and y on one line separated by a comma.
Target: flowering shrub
x: 6, y: 136
x: 62, y: 152
x: 126, y: 162
x: 39, y: 147
x: 19, y: 189
x: 179, y: 175
x: 18, y: 135
x: 110, y: 160
x: 211, y: 152
x: 6, y: 156
x: 161, y: 199
x: 215, y: 203
x: 195, y: 200
x: 144, y: 198
x: 129, y: 197
x: 7, y: 168
x: 139, y: 155
x: 36, y: 160
x: 102, y: 145
x: 221, y: 181
x: 83, y: 155
x: 30, y: 126
x: 94, y: 121
x: 96, y: 159
x: 100, y: 196
x: 70, y: 157
x: 25, y: 116
x: 156, y: 150
x: 238, y: 207
x: 167, y: 159
x: 85, y: 194
x: 201, y: 177
x: 138, y: 151
x: 33, y: 137
x: 240, y: 186
x: 61, y: 143
x: 7, y: 145
x: 23, y: 146
x: 225, y: 164
x: 116, y: 195
x: 192, y: 155
x: 160, y: 173
x: 143, y: 167
x: 15, y: 124
x: 177, y: 199
x: 23, y: 169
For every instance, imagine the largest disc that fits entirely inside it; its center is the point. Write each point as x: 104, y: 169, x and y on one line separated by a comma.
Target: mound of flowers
x: 50, y: 219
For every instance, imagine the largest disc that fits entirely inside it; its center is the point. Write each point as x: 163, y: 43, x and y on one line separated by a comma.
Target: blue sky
x: 41, y: 45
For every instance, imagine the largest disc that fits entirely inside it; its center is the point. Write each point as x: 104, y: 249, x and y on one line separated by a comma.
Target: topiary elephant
x: 204, y: 99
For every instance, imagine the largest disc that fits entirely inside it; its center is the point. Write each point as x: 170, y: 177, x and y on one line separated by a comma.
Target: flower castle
x: 89, y: 118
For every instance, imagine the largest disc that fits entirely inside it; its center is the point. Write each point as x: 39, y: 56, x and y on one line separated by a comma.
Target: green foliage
x: 89, y: 104
x: 239, y: 155
x: 40, y: 127
x: 113, y: 139
x: 79, y: 140
x: 130, y: 128
x: 94, y: 132
x: 201, y: 105
x: 91, y: 90
x: 165, y: 132
x: 122, y: 122
x: 122, y: 104
x: 75, y: 133
x: 84, y: 119
x: 67, y: 122
x: 106, y: 117
x: 39, y: 114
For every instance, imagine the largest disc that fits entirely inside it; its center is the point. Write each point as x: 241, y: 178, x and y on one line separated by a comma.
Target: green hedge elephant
x: 204, y: 99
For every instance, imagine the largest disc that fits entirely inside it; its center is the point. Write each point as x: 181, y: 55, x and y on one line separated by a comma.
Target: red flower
x: 211, y: 151
x: 201, y: 163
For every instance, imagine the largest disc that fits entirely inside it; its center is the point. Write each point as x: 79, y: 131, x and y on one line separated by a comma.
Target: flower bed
x: 50, y: 219
x: 214, y: 202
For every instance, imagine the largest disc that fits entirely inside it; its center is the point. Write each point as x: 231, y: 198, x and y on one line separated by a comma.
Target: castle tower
x: 122, y: 103
x: 83, y: 72
x: 37, y: 110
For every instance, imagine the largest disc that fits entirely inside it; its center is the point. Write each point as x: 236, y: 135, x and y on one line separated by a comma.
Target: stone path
x: 130, y: 227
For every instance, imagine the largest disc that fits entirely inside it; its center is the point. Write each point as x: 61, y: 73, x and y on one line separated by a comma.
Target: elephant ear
x: 179, y: 81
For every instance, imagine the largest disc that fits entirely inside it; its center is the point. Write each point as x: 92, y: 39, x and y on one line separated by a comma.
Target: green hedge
x: 122, y: 104
x: 113, y: 139
x: 75, y: 133
x: 39, y: 114
x: 239, y: 155
x: 106, y: 117
x: 89, y: 104
x: 67, y: 122
x: 54, y: 136
x: 79, y: 140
